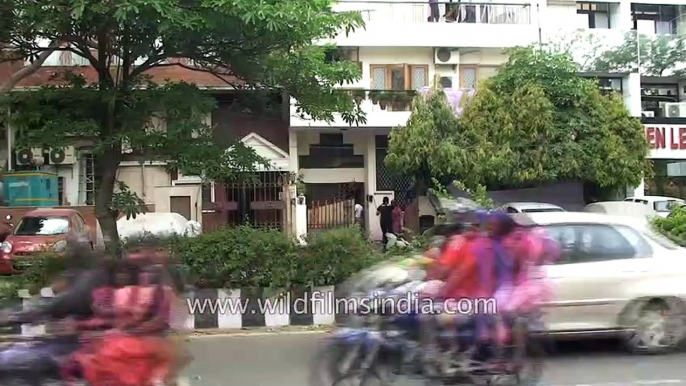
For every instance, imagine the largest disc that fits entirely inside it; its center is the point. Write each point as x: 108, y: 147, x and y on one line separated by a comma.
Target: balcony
x: 442, y: 24
x: 384, y: 108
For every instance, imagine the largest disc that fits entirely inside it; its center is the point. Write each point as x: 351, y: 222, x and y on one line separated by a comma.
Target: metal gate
x: 334, y: 212
x: 258, y: 202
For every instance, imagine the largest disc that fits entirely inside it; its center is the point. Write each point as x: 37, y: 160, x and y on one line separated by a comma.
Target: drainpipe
x: 143, y: 178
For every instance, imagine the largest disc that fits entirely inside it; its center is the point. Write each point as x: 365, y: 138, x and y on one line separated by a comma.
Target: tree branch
x: 30, y: 69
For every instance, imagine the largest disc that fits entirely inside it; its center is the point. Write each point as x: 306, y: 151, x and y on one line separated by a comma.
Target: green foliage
x: 659, y: 55
x: 247, y: 257
x: 332, y: 256
x: 125, y: 201
x: 37, y: 272
x: 428, y: 147
x: 536, y: 120
x: 266, y: 47
x: 674, y: 226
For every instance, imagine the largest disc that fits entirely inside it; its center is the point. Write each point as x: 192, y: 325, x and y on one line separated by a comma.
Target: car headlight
x: 59, y: 246
x: 6, y: 247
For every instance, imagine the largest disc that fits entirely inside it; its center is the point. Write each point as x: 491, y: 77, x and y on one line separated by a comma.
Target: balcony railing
x: 387, y: 100
x: 449, y: 12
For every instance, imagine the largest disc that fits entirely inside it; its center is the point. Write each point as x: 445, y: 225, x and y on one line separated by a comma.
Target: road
x: 282, y: 360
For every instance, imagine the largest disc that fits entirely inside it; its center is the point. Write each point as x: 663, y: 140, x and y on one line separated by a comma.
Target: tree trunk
x: 105, y: 175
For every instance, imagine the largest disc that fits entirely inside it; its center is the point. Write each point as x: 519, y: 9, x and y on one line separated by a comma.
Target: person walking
x: 385, y: 213
x: 358, y: 215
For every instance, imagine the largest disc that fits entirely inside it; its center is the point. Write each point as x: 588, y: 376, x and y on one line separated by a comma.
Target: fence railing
x: 449, y: 12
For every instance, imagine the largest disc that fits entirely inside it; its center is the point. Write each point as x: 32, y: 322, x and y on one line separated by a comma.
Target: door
x: 181, y: 205
x: 598, y: 261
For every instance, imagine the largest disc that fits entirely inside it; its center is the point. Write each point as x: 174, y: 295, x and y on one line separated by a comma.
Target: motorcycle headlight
x: 6, y: 247
x: 59, y: 246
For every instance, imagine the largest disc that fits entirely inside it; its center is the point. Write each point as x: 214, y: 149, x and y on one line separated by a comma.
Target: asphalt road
x: 282, y: 360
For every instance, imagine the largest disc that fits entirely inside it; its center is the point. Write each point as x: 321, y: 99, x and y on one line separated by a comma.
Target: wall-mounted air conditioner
x: 675, y: 110
x: 26, y: 156
x: 62, y: 156
x: 446, y: 56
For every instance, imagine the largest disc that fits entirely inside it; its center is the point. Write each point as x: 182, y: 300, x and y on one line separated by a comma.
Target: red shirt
x: 459, y: 257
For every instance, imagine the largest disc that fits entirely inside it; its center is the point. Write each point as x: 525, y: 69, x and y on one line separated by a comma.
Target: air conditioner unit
x: 62, y: 156
x: 675, y: 110
x: 446, y: 56
x: 448, y: 81
x: 26, y: 156
x: 648, y: 114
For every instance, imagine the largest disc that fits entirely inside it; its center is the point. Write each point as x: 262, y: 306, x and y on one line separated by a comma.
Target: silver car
x: 615, y: 276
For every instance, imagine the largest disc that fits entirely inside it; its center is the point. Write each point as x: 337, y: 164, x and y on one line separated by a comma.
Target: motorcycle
x: 33, y: 361
x: 383, y: 346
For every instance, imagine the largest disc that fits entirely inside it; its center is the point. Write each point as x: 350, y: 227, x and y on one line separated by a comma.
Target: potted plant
x: 374, y: 95
x: 384, y: 99
x: 359, y: 95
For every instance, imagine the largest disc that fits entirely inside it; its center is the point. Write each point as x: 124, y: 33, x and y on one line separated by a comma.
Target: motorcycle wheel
x: 340, y: 364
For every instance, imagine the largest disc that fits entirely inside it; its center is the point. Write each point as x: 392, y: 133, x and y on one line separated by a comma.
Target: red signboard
x: 666, y: 137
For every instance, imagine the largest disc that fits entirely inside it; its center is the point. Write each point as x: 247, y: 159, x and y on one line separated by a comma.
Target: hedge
x: 242, y: 256
x: 674, y: 226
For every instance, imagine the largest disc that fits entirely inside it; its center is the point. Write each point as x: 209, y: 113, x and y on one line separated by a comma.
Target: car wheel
x: 658, y: 328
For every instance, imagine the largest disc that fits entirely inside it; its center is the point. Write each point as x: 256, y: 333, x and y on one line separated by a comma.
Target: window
x: 60, y: 190
x: 399, y: 77
x: 467, y: 78
x: 596, y: 14
x: 655, y: 19
x: 42, y: 226
x: 206, y: 194
x: 644, y: 202
x: 590, y: 243
x: 87, y: 179
x: 664, y: 206
x: 512, y: 210
x: 81, y: 222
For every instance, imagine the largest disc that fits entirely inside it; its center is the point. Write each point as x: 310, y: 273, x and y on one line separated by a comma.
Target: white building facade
x: 408, y: 45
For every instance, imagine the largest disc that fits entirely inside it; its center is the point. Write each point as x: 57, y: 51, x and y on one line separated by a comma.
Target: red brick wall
x: 87, y: 212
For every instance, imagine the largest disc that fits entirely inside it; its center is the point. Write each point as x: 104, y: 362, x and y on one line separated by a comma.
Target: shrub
x: 332, y: 256
x: 674, y: 226
x: 241, y: 257
x: 238, y: 257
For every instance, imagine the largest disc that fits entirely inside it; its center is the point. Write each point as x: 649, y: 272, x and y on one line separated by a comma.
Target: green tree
x: 659, y: 55
x: 250, y: 44
x: 536, y: 120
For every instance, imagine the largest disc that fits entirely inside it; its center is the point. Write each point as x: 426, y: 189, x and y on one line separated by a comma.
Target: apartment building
x: 407, y: 45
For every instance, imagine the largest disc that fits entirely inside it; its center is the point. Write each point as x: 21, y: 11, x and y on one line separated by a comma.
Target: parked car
x: 530, y: 207
x: 660, y: 204
x: 622, y: 208
x: 616, y: 276
x: 48, y: 229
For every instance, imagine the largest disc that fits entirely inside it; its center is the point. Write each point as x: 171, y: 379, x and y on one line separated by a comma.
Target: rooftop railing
x: 439, y: 12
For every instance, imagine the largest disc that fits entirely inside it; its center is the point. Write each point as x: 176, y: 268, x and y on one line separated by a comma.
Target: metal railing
x: 449, y: 12
x: 389, y: 100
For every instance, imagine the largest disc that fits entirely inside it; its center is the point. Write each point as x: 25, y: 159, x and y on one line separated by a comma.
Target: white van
x: 659, y: 204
